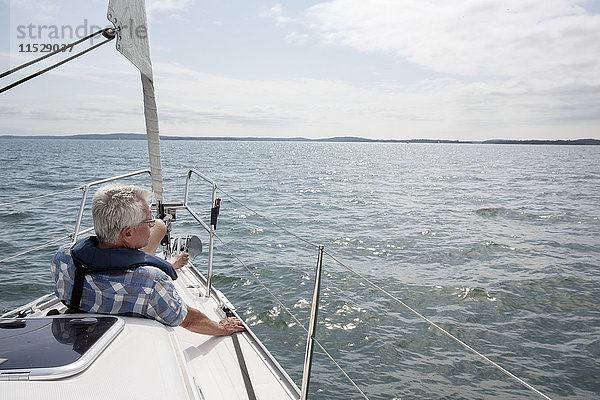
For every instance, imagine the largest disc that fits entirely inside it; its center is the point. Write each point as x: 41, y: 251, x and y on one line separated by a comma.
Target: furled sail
x: 129, y: 19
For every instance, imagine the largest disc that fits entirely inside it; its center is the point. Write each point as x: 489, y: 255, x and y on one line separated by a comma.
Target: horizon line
x: 339, y: 139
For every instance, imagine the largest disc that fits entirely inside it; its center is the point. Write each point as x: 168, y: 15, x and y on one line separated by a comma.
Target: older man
x: 110, y: 274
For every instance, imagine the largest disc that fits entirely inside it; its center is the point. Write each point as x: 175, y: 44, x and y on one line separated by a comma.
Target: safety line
x: 69, y: 236
x: 43, y: 195
x: 268, y: 219
x: 291, y: 315
x: 466, y: 346
x: 260, y: 282
x: 340, y: 368
x: 36, y: 248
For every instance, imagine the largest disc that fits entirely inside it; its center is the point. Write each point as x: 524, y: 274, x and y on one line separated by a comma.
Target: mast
x: 129, y: 19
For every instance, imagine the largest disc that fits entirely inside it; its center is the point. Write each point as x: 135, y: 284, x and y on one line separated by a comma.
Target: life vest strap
x: 77, y: 291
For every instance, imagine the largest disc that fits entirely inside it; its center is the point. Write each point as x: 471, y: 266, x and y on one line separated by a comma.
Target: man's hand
x: 231, y: 325
x: 179, y: 260
x: 197, y: 321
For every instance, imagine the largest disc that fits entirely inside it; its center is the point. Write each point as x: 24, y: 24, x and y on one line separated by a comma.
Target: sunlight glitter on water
x: 507, y: 259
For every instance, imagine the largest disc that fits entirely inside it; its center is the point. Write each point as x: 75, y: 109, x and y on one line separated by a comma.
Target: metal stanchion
x: 312, y: 327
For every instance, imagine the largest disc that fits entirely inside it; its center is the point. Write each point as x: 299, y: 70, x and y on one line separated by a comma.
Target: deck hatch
x: 53, y: 347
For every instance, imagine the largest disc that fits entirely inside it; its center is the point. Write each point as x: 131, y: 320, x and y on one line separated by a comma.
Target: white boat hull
x: 148, y: 360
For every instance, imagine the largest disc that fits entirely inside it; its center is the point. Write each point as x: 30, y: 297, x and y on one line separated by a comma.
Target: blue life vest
x: 94, y: 259
x: 89, y: 258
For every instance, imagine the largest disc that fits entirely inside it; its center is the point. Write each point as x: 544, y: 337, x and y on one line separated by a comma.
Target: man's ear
x: 125, y: 235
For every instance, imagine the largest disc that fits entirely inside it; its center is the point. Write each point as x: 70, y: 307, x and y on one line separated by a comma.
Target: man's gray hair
x: 115, y: 207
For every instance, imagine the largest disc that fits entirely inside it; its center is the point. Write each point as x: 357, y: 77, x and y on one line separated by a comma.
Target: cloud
x: 276, y: 12
x: 530, y: 39
x: 191, y: 102
x: 516, y: 68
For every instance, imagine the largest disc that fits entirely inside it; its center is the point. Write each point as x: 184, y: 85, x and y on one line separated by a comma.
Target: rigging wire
x: 268, y: 219
x: 287, y: 310
x: 43, y: 195
x: 340, y: 368
x: 377, y: 287
x: 261, y: 283
x: 58, y: 64
x: 466, y: 346
x: 61, y: 50
x: 69, y: 236
x: 36, y: 248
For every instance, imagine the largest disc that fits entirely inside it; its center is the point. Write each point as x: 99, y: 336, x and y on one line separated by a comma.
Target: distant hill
x: 342, y: 139
x: 560, y: 142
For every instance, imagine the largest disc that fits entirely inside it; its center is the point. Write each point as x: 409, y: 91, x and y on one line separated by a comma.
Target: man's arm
x: 196, y: 321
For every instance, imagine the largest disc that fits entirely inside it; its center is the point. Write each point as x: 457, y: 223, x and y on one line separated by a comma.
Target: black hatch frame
x: 53, y: 347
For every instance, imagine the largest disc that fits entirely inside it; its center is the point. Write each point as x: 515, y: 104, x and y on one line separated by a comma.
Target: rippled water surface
x: 498, y: 244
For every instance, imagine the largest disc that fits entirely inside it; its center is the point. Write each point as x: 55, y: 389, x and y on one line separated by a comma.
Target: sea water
x: 497, y: 244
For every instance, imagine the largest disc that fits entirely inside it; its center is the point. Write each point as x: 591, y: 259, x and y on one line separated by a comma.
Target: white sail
x: 129, y: 19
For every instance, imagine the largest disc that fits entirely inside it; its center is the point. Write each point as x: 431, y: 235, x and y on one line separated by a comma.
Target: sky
x: 381, y: 69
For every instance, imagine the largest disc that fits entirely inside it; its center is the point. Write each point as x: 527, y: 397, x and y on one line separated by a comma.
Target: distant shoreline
x: 344, y: 139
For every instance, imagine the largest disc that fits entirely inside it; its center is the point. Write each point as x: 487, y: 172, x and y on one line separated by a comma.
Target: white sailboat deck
x: 148, y: 360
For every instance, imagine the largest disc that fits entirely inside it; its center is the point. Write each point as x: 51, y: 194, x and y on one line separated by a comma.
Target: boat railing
x: 213, y: 223
x: 78, y: 231
x: 312, y: 327
x: 311, y: 338
x: 211, y: 230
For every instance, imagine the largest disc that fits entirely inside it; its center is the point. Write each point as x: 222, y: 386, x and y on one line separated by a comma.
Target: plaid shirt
x: 143, y: 291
